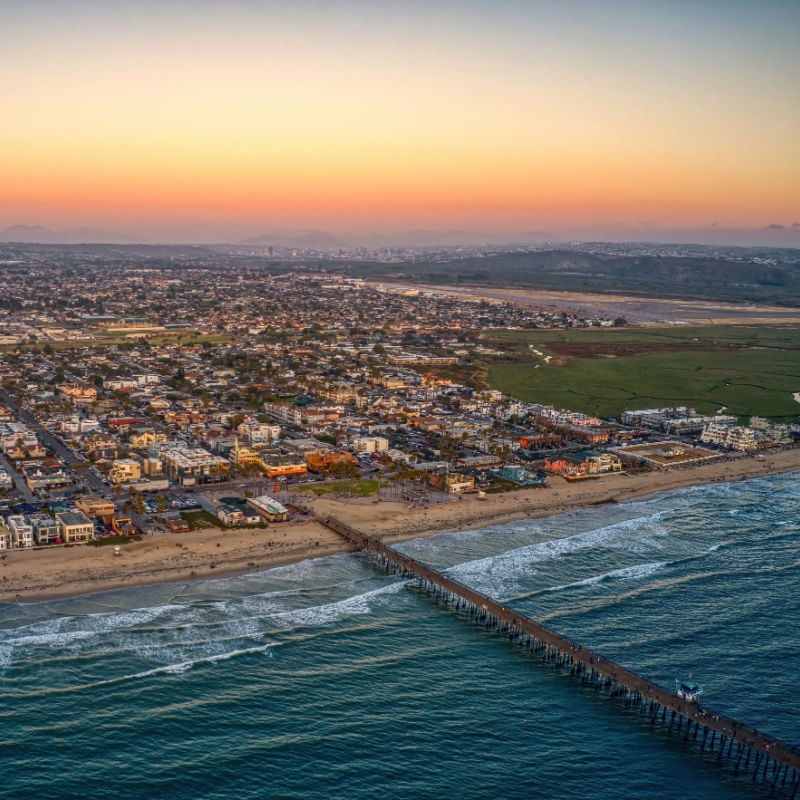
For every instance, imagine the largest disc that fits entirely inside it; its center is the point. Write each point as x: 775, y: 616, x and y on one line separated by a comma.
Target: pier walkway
x: 748, y: 750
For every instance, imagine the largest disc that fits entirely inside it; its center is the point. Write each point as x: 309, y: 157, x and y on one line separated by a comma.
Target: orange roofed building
x: 318, y: 462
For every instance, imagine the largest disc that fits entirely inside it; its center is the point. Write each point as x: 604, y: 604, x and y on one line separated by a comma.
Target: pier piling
x: 592, y: 668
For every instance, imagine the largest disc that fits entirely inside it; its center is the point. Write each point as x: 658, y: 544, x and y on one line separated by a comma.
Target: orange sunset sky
x: 212, y: 121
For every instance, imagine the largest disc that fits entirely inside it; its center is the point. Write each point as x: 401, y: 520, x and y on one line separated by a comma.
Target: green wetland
x: 746, y: 370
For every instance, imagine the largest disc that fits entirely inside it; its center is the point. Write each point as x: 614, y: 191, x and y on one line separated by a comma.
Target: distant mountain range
x: 774, y: 235
x: 306, y: 239
x: 37, y: 234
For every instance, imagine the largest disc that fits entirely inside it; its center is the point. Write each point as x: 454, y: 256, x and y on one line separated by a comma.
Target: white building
x: 189, y: 466
x: 15, y: 433
x: 150, y: 379
x: 268, y: 508
x: 291, y: 415
x: 259, y: 432
x: 734, y: 438
x: 370, y: 444
x: 77, y: 424
x: 21, y: 531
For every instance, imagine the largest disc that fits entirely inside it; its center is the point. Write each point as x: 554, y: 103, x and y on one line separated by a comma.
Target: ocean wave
x: 330, y: 612
x: 177, y: 668
x: 61, y: 631
x: 624, y: 573
x: 187, y: 645
x: 635, y: 535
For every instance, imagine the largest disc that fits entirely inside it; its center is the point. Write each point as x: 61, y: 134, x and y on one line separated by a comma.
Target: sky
x: 211, y: 121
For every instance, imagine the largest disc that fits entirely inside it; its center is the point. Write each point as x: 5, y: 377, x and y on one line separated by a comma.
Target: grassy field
x: 200, y: 519
x: 363, y: 487
x: 747, y: 370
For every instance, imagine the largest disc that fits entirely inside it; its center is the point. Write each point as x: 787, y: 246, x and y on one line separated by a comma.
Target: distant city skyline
x: 205, y: 121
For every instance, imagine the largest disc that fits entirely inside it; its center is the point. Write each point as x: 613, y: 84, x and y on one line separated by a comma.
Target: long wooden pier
x: 748, y: 750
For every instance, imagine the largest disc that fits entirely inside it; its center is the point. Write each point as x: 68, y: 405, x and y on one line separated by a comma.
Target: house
x: 455, y: 483
x: 75, y: 526
x: 45, y: 475
x: 144, y: 438
x: 79, y: 395
x: 235, y: 514
x: 45, y: 529
x: 519, y: 475
x: 100, y: 446
x: 598, y: 463
x: 21, y: 531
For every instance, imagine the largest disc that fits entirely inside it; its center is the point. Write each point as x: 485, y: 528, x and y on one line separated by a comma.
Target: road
x: 22, y: 487
x: 63, y: 452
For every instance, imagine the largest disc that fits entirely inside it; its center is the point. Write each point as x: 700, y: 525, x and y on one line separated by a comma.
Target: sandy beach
x: 34, y: 575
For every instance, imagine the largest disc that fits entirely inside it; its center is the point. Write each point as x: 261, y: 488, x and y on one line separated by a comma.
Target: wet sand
x: 33, y: 575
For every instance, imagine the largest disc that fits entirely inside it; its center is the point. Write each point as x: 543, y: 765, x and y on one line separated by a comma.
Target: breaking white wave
x: 624, y: 574
x: 63, y: 631
x: 185, y: 634
x: 331, y: 612
x: 495, y: 574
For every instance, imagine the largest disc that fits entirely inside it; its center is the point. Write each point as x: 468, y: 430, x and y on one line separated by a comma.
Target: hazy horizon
x: 321, y: 238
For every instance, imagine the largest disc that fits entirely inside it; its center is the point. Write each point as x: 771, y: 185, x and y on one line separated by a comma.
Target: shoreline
x: 42, y: 575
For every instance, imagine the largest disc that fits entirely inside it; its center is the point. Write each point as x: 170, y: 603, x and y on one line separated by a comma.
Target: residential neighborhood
x: 174, y: 397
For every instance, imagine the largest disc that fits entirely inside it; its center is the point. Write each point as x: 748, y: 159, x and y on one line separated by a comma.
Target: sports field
x: 746, y: 370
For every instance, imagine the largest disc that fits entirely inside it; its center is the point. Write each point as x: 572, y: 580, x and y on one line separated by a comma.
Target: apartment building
x: 189, y: 466
x: 125, y: 470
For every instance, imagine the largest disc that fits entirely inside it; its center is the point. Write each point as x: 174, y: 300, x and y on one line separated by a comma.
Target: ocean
x: 328, y: 679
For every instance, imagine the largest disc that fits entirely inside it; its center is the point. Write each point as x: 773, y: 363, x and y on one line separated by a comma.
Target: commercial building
x: 94, y: 506
x: 319, y: 462
x: 268, y: 508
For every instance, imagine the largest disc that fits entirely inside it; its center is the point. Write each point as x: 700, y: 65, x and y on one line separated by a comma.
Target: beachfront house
x: 21, y: 531
x: 75, y: 527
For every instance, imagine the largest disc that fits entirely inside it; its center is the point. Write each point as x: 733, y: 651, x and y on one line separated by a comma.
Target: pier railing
x: 768, y: 760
